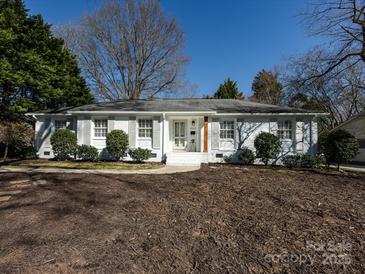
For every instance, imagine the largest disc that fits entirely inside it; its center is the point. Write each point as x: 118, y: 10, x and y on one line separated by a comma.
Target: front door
x: 179, y: 134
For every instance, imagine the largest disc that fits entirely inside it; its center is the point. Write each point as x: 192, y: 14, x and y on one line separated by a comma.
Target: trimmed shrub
x: 292, y: 161
x: 117, y: 143
x: 64, y: 144
x: 339, y: 146
x: 311, y: 161
x: 87, y: 153
x: 246, y: 156
x: 267, y: 147
x: 302, y: 160
x: 140, y: 154
x: 29, y: 153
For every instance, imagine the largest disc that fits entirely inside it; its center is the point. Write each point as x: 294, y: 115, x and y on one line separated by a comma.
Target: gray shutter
x: 111, y: 123
x: 273, y: 126
x: 156, y: 133
x: 87, y: 131
x: 239, y: 140
x: 215, y: 133
x: 132, y: 131
x: 47, y: 132
x: 71, y: 123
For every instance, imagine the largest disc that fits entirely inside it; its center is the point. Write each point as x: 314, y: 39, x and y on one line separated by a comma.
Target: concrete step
x: 186, y: 158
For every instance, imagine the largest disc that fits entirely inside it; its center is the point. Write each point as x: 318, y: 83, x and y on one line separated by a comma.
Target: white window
x: 145, y: 128
x: 285, y: 130
x: 100, y: 128
x: 226, y: 129
x: 60, y: 124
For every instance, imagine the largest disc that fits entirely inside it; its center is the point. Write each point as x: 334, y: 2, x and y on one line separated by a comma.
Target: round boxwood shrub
x: 339, y: 146
x: 267, y: 147
x: 228, y: 158
x: 140, y: 154
x: 246, y: 156
x: 64, y: 144
x: 117, y: 143
x: 87, y: 153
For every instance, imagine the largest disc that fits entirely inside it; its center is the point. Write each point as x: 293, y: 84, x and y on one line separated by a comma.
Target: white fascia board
x: 143, y: 112
x: 271, y: 114
x: 47, y: 114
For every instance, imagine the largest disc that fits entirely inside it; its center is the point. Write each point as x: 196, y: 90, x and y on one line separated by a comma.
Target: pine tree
x: 267, y: 89
x: 228, y: 90
x: 36, y: 71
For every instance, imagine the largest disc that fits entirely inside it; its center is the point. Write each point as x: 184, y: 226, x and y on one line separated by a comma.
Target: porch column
x: 205, y: 149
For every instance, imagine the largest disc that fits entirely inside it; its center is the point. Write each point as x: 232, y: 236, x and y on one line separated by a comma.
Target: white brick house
x: 182, y: 131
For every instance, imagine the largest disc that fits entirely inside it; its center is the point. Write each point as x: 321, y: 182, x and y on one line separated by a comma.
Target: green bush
x: 302, y: 160
x: 246, y: 156
x: 267, y: 146
x: 139, y: 154
x: 87, y: 153
x: 228, y: 158
x: 117, y: 143
x: 292, y: 161
x: 29, y: 153
x: 64, y: 144
x: 339, y: 146
x: 311, y: 161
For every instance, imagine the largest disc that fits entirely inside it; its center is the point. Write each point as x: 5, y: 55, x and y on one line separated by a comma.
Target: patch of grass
x: 85, y: 165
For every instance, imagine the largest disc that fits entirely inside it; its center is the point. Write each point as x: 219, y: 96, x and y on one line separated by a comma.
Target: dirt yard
x: 218, y: 219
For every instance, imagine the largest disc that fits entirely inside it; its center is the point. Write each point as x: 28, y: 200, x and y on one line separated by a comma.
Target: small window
x: 145, y: 128
x: 60, y: 124
x: 227, y: 130
x: 100, y: 128
x: 285, y: 130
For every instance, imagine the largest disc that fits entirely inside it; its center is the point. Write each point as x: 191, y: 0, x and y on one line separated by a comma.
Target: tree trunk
x: 5, y: 152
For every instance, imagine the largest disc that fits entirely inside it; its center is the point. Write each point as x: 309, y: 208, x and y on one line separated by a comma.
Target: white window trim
x: 293, y: 131
x: 93, y: 128
x: 137, y: 135
x: 67, y: 124
x: 234, y: 126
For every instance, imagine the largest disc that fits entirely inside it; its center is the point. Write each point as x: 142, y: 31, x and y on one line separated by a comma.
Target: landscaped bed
x: 83, y: 165
x: 218, y: 219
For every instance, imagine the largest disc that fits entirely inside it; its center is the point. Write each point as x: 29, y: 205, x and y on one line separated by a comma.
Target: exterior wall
x: 304, y: 133
x: 357, y: 128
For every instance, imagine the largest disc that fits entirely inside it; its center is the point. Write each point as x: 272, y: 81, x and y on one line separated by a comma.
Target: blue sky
x: 231, y: 38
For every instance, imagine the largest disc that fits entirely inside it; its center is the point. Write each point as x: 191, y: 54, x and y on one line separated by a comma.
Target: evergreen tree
x: 267, y: 89
x: 36, y: 71
x: 228, y: 90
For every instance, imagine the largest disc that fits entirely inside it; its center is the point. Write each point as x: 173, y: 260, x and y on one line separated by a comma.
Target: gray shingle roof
x: 162, y: 105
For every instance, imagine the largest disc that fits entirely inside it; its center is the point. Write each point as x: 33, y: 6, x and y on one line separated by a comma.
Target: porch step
x: 186, y: 158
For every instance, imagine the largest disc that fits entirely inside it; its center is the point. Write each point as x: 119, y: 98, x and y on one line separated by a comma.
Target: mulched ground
x: 218, y: 219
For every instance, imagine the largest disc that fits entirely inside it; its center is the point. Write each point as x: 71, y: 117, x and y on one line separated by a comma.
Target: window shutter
x: 132, y: 131
x: 156, y: 133
x: 87, y: 131
x: 215, y: 133
x: 239, y: 134
x: 299, y: 128
x: 273, y: 126
x: 47, y: 132
x: 111, y: 123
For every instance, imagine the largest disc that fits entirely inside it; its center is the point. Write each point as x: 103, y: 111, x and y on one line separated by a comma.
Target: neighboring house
x: 182, y: 131
x: 356, y: 126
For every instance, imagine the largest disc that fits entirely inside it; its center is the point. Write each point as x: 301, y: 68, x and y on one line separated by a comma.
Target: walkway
x: 168, y: 169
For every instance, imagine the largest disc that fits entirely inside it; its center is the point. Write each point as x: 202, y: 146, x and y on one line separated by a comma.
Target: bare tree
x: 343, y: 22
x: 127, y: 49
x: 341, y: 92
